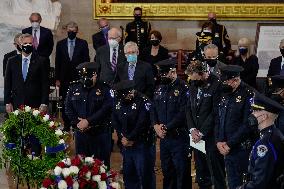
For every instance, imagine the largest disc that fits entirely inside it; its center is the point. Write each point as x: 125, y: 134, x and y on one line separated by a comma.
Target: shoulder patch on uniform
x: 261, y: 150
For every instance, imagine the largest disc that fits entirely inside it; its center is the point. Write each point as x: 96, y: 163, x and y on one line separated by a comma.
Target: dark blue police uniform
x: 93, y: 104
x: 132, y: 120
x: 169, y: 109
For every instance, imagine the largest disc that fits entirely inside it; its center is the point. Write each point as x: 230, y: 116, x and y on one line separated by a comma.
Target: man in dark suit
x: 203, y: 93
x: 12, y: 53
x: 101, y: 38
x: 139, y: 71
x: 26, y: 80
x: 42, y: 37
x: 110, y: 56
x: 276, y: 66
x: 70, y: 52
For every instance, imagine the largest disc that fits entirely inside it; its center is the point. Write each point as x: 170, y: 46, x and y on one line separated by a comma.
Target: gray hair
x: 25, y: 35
x: 281, y: 42
x: 35, y: 14
x: 72, y: 25
x: 102, y: 19
x: 17, y: 37
x: 116, y: 30
x: 129, y: 45
x: 210, y: 46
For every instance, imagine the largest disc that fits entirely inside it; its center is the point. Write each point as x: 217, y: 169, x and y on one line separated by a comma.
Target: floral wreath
x: 19, y: 126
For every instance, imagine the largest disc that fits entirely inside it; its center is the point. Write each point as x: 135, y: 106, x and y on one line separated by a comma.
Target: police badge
x: 176, y: 92
x: 133, y: 106
x: 98, y: 92
x: 239, y: 99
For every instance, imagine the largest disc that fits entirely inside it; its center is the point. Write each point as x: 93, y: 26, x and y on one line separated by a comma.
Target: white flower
x: 96, y: 178
x: 57, y: 170
x: 51, y: 123
x: 102, y: 169
x: 102, y: 185
x: 74, y: 170
x: 67, y: 161
x: 16, y: 112
x: 58, y: 132
x: 88, y: 175
x: 62, y: 184
x: 75, y: 185
x: 61, y: 141
x: 46, y: 117
x: 27, y: 109
x: 31, y: 157
x: 36, y: 112
x: 65, y: 172
x: 89, y: 160
x: 115, y: 185
x: 43, y: 188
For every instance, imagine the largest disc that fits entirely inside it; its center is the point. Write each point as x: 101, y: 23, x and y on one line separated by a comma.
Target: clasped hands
x: 223, y: 148
x: 161, y: 130
x: 83, y: 124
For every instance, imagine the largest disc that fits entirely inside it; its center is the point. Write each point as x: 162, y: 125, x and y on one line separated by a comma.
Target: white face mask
x: 35, y: 24
x: 112, y: 43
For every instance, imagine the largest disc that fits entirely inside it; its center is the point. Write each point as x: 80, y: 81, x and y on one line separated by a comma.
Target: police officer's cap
x: 230, y: 72
x: 124, y: 85
x: 278, y: 81
x: 87, y: 66
x: 166, y: 65
x: 261, y: 102
x: 204, y: 37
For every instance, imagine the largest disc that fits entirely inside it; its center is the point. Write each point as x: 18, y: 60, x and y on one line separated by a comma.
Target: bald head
x: 211, y: 15
x: 115, y: 33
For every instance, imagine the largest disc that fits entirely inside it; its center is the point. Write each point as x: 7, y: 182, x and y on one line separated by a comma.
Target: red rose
x: 113, y: 174
x: 98, y: 162
x: 83, y: 170
x: 82, y: 183
x: 76, y: 161
x: 47, y: 182
x: 104, y: 176
x: 95, y: 170
x: 94, y: 185
x: 22, y: 107
x: 69, y: 181
x: 61, y: 164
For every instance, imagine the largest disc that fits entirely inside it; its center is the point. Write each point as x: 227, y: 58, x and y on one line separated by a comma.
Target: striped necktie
x: 113, y: 62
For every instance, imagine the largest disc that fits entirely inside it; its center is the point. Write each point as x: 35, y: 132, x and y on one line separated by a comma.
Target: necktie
x: 25, y: 68
x: 71, y: 49
x: 113, y: 62
x: 282, y: 70
x: 35, y: 40
x: 131, y: 70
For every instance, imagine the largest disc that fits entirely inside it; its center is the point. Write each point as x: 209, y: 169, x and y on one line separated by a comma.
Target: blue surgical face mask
x: 131, y: 58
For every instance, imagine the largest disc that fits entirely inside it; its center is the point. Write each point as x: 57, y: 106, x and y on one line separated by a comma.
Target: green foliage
x: 29, y: 169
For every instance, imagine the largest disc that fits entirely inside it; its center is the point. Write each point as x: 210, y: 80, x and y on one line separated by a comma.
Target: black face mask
x: 19, y: 48
x: 87, y: 82
x: 198, y: 83
x: 243, y: 51
x: 211, y: 62
x: 276, y: 97
x: 282, y: 52
x: 252, y: 121
x: 165, y: 81
x: 28, y: 48
x: 226, y: 88
x: 213, y: 20
x: 72, y: 35
x: 155, y: 42
x: 137, y: 18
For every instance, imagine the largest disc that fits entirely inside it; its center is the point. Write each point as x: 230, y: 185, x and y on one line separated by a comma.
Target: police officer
x: 138, y: 30
x: 267, y: 156
x: 131, y: 119
x: 204, y: 92
x: 88, y: 106
x: 232, y: 133
x: 278, y: 95
x: 168, y: 120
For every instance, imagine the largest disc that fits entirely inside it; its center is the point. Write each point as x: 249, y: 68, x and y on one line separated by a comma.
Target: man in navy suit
x: 42, y: 37
x: 276, y: 66
x: 70, y: 52
x: 101, y: 38
x: 26, y: 80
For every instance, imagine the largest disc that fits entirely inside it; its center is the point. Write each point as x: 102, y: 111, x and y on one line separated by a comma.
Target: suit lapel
x: 65, y: 47
x: 76, y: 47
x: 193, y: 100
x: 41, y: 36
x: 19, y: 68
x: 31, y: 67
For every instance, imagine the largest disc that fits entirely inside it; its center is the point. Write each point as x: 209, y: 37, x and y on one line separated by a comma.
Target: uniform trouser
x: 63, y: 93
x: 236, y: 163
x: 138, y: 168
x: 210, y: 169
x: 98, y: 145
x: 175, y: 163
